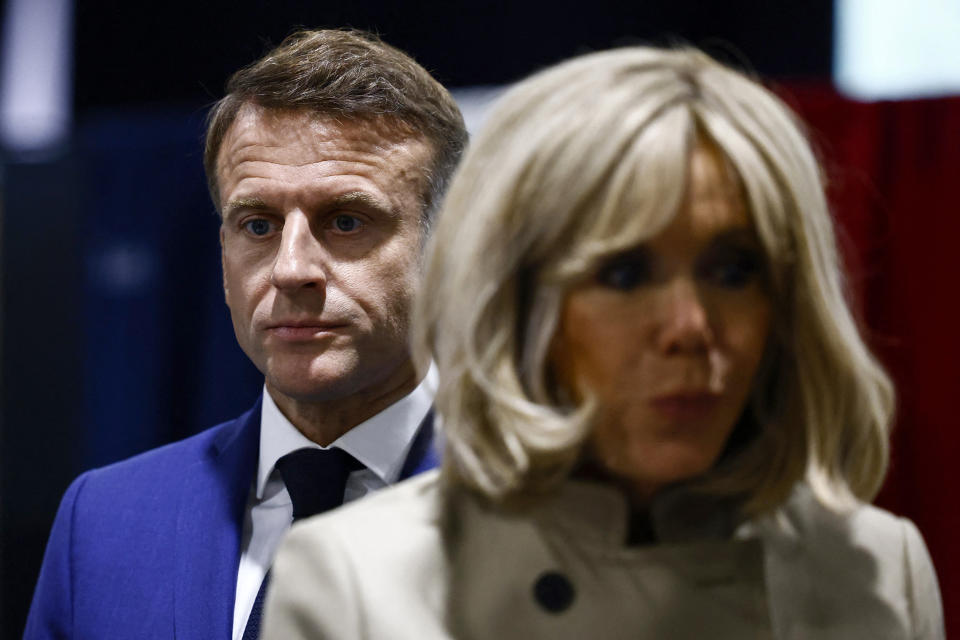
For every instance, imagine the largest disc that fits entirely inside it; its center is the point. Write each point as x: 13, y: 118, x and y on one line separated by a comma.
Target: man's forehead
x: 300, y: 137
x: 292, y: 126
x: 290, y: 145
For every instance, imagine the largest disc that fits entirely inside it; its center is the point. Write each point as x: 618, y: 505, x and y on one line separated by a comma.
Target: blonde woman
x: 660, y: 419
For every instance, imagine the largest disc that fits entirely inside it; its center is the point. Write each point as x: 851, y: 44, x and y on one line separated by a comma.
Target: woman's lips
x: 686, y: 405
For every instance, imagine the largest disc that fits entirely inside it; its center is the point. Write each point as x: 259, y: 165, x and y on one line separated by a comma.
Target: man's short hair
x: 348, y: 75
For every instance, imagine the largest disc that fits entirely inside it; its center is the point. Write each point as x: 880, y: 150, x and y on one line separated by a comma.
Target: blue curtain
x: 160, y: 359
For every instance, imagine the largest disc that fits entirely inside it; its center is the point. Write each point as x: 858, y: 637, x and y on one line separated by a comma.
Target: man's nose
x: 684, y: 320
x: 299, y: 261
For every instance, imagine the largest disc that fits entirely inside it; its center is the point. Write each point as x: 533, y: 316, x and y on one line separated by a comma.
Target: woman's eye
x: 625, y: 273
x: 258, y: 227
x: 735, y: 271
x: 347, y: 224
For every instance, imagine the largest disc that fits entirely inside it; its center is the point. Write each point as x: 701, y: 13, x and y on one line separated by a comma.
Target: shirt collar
x: 381, y: 443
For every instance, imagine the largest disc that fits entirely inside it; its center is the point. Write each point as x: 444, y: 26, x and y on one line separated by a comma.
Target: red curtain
x: 893, y: 170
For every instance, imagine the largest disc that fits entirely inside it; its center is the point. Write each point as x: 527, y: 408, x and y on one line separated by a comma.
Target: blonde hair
x: 589, y: 158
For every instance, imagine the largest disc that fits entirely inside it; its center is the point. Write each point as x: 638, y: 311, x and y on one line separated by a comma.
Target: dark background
x: 182, y: 52
x: 114, y: 335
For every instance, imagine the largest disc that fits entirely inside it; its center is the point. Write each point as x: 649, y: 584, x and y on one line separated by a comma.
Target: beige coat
x: 400, y: 566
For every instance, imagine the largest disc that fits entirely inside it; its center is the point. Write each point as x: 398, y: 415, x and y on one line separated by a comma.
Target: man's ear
x: 223, y: 267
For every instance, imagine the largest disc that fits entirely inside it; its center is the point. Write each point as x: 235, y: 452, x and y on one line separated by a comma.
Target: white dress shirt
x: 381, y: 444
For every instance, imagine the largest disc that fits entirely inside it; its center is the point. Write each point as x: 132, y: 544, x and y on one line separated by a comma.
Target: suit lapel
x: 423, y: 454
x: 213, y: 494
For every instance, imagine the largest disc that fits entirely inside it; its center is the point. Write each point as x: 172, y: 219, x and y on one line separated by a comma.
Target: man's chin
x: 313, y: 377
x: 309, y: 390
x: 321, y: 381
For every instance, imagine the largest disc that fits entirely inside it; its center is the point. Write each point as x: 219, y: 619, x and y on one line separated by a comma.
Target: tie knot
x: 316, y: 478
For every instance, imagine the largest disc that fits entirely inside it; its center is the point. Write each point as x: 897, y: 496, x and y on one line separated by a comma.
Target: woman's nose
x: 684, y: 322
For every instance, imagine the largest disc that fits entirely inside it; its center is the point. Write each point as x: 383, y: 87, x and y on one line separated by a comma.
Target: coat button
x: 553, y: 591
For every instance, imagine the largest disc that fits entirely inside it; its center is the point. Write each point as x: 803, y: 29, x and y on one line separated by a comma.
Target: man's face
x: 320, y: 246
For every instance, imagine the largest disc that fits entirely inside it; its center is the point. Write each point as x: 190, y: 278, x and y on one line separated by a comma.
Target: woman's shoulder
x: 825, y: 564
x: 807, y: 521
x: 384, y: 550
x: 853, y: 539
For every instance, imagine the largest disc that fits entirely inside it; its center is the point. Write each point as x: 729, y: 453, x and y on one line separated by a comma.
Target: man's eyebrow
x: 241, y: 204
x: 353, y: 198
x: 364, y: 200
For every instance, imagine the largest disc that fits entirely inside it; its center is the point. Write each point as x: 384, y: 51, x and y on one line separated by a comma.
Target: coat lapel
x: 209, y: 527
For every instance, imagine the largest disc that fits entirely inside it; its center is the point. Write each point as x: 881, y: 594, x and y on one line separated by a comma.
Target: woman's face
x: 669, y: 336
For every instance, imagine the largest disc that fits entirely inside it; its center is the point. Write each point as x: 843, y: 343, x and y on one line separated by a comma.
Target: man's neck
x: 323, y: 421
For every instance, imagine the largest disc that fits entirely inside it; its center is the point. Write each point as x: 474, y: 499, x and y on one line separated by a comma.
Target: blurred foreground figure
x: 660, y: 419
x: 325, y: 160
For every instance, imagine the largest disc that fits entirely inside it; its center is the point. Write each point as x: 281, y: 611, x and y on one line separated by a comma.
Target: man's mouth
x: 303, y: 329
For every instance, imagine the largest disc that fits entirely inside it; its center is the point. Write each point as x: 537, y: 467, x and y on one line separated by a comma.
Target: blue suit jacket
x: 149, y: 547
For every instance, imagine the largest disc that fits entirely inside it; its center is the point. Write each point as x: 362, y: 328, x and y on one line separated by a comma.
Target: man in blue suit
x: 326, y: 160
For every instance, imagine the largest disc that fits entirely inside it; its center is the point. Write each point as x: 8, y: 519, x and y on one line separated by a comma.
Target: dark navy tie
x: 315, y: 479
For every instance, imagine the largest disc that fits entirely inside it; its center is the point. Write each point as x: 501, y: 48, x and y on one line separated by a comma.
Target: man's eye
x: 258, y: 227
x: 626, y: 273
x: 347, y: 224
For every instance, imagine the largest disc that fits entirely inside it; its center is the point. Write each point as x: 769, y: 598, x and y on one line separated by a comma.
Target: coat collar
x: 599, y: 514
x: 575, y: 539
x: 213, y: 493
